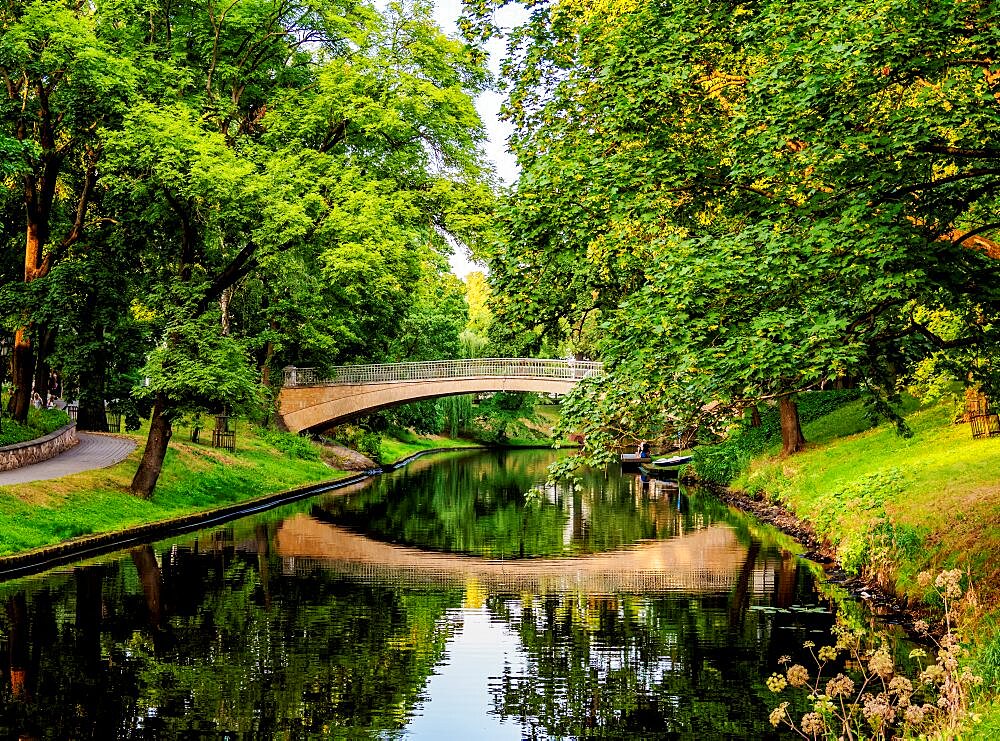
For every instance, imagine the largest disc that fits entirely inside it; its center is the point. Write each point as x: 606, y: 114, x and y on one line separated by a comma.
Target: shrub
x: 291, y: 444
x: 365, y: 441
x: 46, y: 420
x: 871, y: 697
x: 40, y: 422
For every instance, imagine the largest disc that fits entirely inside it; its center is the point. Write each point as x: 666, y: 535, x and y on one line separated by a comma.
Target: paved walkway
x: 94, y: 451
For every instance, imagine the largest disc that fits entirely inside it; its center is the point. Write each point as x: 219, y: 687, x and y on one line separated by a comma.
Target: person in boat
x: 644, y: 450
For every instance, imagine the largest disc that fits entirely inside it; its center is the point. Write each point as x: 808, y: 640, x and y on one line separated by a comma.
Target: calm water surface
x: 457, y: 598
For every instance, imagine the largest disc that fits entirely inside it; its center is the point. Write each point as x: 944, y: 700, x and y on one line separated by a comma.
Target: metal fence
x: 573, y: 370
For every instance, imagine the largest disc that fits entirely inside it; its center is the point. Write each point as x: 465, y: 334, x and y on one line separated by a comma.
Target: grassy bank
x: 891, y: 507
x: 195, y: 477
x: 895, y: 506
x: 405, y: 444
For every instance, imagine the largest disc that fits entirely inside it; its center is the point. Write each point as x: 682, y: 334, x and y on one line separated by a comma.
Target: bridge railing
x: 443, y: 369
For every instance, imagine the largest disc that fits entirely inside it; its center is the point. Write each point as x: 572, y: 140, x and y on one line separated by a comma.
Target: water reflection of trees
x: 203, y: 642
x: 232, y: 635
x: 627, y: 666
x: 493, y: 505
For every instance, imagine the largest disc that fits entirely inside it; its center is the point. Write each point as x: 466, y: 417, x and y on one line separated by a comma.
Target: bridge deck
x: 311, y: 400
x: 571, y: 370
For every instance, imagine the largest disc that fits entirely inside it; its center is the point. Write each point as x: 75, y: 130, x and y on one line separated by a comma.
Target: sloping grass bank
x: 890, y: 507
x: 894, y: 506
x: 405, y: 444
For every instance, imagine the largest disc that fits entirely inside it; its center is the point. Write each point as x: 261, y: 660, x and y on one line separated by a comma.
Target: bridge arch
x: 309, y: 400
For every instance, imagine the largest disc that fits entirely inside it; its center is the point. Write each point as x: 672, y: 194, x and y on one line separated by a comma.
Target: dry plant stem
x: 888, y: 713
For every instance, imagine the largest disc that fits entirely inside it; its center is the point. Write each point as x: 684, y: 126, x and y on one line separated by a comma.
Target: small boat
x: 665, y: 468
x: 677, y: 460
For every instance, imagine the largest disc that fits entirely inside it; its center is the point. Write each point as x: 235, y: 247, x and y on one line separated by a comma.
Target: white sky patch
x: 446, y: 13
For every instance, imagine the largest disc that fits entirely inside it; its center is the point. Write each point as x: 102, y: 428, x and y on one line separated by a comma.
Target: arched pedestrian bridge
x: 309, y: 400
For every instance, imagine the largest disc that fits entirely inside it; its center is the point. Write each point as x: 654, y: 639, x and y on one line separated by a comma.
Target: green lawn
x: 394, y: 449
x: 195, y: 477
x: 939, y: 487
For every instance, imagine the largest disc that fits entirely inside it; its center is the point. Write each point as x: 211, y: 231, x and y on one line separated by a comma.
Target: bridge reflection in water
x: 464, y: 519
x: 711, y: 560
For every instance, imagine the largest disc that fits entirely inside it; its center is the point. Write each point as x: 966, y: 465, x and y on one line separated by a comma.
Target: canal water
x: 458, y: 598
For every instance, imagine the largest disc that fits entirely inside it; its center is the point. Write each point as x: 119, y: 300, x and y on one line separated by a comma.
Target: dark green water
x: 457, y: 598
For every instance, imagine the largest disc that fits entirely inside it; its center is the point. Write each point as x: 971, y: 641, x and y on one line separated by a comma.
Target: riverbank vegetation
x: 196, y: 477
x: 890, y: 508
x: 896, y: 507
x: 40, y: 422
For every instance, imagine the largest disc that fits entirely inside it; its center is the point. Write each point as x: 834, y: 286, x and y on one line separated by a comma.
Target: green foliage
x: 47, y: 420
x: 458, y: 414
x: 756, y: 201
x: 199, y: 368
x: 11, y: 154
x: 292, y: 445
x: 243, y: 200
x: 503, y: 411
x: 987, y: 655
x: 40, y: 422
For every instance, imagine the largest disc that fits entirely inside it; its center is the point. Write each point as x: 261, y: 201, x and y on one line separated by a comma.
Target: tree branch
x: 976, y: 232
x: 928, y: 184
x: 869, y: 316
x: 964, y: 152
x: 237, y: 268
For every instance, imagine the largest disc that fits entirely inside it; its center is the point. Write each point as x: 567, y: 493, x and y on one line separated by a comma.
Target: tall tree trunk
x: 152, y: 582
x: 92, y: 414
x: 39, y: 193
x: 22, y: 373
x: 19, y: 646
x: 151, y: 464
x: 792, y: 439
x: 89, y: 610
x: 225, y: 298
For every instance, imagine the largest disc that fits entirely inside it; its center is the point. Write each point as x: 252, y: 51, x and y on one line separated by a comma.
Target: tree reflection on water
x: 664, y: 621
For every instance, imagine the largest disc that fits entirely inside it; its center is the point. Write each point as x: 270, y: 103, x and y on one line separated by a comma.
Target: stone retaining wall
x: 39, y: 449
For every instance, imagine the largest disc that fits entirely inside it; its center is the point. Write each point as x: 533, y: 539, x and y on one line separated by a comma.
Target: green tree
x: 62, y: 83
x: 779, y: 196
x: 293, y: 146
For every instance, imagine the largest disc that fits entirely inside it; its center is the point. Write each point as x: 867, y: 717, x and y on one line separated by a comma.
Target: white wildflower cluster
x: 872, y: 687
